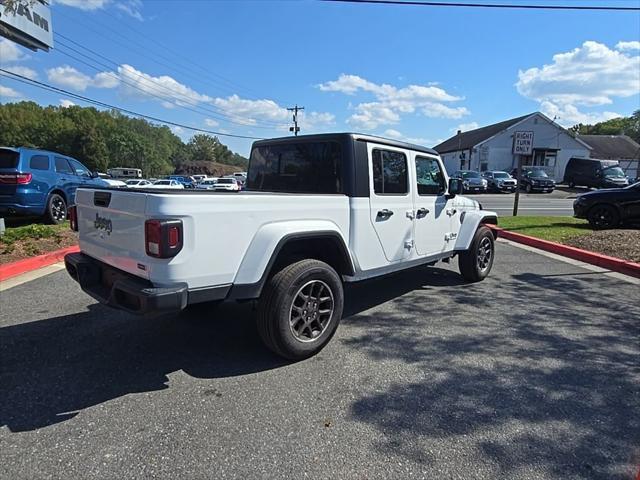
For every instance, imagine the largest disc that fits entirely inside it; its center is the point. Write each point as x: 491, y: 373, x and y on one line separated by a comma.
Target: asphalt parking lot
x: 556, y: 203
x: 531, y: 374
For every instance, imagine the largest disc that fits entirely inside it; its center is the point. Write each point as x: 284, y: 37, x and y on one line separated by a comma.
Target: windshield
x: 133, y: 182
x: 501, y: 175
x: 226, y: 180
x: 537, y: 174
x: 163, y: 182
x: 208, y: 182
x: 470, y: 174
x: 613, y: 172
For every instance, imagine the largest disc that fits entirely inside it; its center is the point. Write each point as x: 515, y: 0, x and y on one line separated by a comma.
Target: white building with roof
x: 491, y: 147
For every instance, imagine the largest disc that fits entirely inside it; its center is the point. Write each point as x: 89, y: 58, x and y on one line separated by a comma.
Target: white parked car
x: 207, y: 184
x: 166, y: 183
x: 136, y: 183
x: 110, y: 182
x: 226, y: 185
x: 322, y: 211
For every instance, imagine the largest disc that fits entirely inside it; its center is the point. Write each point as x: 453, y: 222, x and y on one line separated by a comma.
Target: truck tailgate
x: 111, y: 227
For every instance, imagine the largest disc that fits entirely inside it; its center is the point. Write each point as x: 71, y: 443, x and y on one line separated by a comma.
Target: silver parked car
x: 499, y: 181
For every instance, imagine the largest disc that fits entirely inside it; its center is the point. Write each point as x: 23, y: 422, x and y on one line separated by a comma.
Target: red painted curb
x: 604, y: 261
x: 28, y: 264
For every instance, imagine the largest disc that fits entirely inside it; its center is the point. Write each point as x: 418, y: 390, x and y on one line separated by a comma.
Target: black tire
x: 282, y: 295
x: 528, y: 188
x: 56, y: 212
x: 602, y: 216
x: 472, y: 268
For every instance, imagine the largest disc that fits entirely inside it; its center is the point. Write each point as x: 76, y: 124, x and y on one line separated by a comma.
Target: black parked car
x: 609, y: 208
x: 534, y: 180
x: 592, y: 172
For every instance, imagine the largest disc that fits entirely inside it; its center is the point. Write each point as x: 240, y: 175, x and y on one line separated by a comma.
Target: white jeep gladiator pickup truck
x: 318, y: 211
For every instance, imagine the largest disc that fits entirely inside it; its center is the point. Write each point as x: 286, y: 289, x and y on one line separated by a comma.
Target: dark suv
x: 592, y: 172
x: 37, y: 182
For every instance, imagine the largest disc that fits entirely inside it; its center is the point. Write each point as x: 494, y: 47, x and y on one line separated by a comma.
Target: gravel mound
x: 615, y: 243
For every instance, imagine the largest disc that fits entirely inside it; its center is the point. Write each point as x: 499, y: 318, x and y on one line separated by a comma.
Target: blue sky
x: 410, y: 72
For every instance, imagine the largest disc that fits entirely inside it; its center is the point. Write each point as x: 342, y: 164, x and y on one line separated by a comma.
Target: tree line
x: 103, y: 139
x: 629, y: 126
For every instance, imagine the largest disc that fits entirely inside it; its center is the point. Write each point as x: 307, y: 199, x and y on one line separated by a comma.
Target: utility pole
x: 295, y: 129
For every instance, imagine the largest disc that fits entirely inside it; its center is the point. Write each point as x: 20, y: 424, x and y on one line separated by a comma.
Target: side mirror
x: 455, y: 187
x: 93, y: 174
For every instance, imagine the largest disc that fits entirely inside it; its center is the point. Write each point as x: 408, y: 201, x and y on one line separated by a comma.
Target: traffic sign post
x: 522, y: 145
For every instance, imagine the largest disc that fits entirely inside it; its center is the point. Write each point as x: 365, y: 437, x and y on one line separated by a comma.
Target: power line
x: 44, y: 86
x: 155, y: 86
x: 489, y: 5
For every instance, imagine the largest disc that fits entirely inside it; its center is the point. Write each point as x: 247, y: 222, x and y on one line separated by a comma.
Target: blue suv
x: 37, y: 182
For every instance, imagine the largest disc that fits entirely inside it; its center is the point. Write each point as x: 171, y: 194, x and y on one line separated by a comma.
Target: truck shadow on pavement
x: 538, y: 373
x: 54, y: 368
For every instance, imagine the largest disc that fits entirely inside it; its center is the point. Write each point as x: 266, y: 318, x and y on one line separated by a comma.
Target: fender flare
x: 267, y: 244
x: 470, y: 222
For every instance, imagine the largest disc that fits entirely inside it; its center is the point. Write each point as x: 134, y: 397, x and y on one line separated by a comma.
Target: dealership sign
x: 523, y: 143
x: 27, y: 22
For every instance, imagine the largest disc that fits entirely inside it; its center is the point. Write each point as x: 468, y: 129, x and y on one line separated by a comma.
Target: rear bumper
x: 20, y: 209
x: 124, y: 291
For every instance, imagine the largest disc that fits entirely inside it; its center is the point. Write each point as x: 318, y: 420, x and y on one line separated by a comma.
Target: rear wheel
x: 300, y: 308
x: 603, y: 216
x: 528, y: 188
x: 476, y: 262
x: 56, y: 209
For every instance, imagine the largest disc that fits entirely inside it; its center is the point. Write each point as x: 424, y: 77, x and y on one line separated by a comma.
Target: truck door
x: 390, y: 201
x: 433, y: 210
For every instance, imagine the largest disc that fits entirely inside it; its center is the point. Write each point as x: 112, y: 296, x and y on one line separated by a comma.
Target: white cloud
x: 10, y: 52
x: 210, y: 122
x: 131, y: 8
x: 24, y: 71
x: 569, y: 115
x: 69, y: 77
x: 391, y: 133
x: 66, y: 103
x: 392, y: 101
x: 247, y: 111
x: 465, y: 127
x: 7, y: 92
x: 589, y: 76
x: 137, y: 84
x: 633, y: 45
x: 84, y: 4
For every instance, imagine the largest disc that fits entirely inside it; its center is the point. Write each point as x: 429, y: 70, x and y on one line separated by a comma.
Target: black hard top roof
x: 341, y: 136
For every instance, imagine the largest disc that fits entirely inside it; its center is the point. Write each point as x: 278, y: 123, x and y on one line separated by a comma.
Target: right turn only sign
x: 523, y: 143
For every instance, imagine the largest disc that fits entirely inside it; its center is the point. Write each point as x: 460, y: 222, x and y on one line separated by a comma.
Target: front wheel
x: 528, y: 188
x: 603, y: 216
x: 476, y: 262
x: 300, y: 308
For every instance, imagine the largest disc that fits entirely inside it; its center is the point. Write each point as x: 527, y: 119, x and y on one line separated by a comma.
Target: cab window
x: 430, y: 180
x: 389, y: 172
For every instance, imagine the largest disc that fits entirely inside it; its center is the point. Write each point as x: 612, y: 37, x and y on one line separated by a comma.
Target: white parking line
x: 577, y: 263
x: 29, y: 276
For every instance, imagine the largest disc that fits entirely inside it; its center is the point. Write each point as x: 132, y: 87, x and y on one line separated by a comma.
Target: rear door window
x: 39, y: 162
x: 389, y: 172
x: 62, y: 166
x: 8, y: 158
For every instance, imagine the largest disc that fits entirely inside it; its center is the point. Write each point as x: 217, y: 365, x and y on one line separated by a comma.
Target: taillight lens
x: 16, y: 178
x: 73, y: 218
x: 163, y: 238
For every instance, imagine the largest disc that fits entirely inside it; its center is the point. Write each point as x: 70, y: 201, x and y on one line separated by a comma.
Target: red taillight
x: 73, y: 218
x: 163, y: 238
x: 16, y: 178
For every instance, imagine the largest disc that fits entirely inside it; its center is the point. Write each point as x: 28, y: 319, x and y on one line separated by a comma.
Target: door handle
x: 384, y: 214
x: 422, y: 212
x: 452, y: 212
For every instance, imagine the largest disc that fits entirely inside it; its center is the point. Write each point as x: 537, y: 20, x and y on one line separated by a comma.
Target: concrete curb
x: 610, y: 263
x: 29, y: 264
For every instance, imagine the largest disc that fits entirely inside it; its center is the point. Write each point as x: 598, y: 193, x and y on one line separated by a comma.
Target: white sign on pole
x: 28, y: 22
x: 523, y: 143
